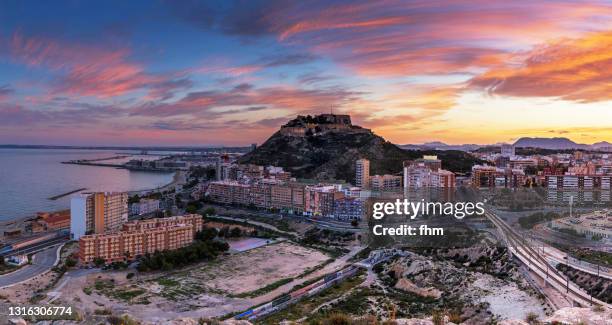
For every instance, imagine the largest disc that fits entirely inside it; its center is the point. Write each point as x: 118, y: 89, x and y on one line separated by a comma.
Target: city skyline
x: 230, y: 73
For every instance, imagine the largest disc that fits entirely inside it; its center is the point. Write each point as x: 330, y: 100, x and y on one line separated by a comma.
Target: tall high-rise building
x: 98, y: 212
x: 78, y: 219
x: 362, y: 173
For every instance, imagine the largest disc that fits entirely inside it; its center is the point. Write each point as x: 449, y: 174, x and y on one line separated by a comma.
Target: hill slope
x: 332, y: 154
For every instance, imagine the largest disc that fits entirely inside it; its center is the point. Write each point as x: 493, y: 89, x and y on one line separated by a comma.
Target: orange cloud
x: 577, y: 69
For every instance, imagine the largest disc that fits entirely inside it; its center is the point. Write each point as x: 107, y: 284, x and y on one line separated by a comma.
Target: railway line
x: 539, y: 265
x: 312, y: 289
x: 293, y: 297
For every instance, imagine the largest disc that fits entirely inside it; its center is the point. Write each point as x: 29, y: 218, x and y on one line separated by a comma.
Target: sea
x: 29, y: 177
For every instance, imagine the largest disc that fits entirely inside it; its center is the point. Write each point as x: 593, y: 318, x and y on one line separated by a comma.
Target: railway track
x: 537, y: 263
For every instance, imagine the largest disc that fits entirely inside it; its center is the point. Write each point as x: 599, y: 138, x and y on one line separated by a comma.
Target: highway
x: 539, y: 265
x: 41, y: 263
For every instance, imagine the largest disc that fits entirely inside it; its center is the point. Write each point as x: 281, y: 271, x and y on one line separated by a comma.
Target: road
x: 41, y: 263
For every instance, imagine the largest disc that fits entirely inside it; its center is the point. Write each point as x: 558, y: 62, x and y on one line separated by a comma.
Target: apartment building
x: 319, y: 200
x: 140, y: 237
x: 97, y: 212
x: 430, y: 161
x: 144, y: 206
x: 385, y: 182
x: 418, y: 174
x: 491, y: 176
x: 287, y: 197
x: 522, y: 163
x: 314, y: 200
x: 443, y: 178
x: 192, y: 219
x: 263, y: 194
x: 349, y: 208
x: 569, y: 181
x: 362, y: 173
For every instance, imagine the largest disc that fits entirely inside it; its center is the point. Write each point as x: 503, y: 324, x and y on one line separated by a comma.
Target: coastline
x: 177, y: 179
x: 19, y: 222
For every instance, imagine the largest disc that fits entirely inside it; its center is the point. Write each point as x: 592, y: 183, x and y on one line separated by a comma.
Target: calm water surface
x: 28, y: 177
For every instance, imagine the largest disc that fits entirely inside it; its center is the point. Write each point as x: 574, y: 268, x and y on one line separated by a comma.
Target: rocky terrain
x: 569, y: 316
x: 598, y: 287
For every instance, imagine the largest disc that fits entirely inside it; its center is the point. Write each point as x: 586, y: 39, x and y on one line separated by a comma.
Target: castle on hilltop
x: 318, y: 124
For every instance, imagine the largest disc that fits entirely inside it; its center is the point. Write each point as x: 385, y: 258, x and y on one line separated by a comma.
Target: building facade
x: 362, y: 173
x: 98, y: 212
x: 138, y: 238
x: 386, y: 182
x: 144, y: 206
x: 348, y: 209
x: 420, y: 174
x: 491, y: 176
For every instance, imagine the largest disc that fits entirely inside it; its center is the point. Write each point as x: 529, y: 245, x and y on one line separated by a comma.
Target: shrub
x: 70, y: 262
x: 531, y: 318
x: 337, y: 319
x: 437, y: 318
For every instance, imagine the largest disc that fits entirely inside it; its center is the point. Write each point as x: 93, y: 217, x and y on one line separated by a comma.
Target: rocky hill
x: 329, y: 151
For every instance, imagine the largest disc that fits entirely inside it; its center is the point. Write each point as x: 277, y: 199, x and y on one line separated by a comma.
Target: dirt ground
x: 208, y: 289
x: 254, y: 269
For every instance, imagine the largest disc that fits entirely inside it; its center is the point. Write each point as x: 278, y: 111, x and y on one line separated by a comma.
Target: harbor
x: 59, y: 196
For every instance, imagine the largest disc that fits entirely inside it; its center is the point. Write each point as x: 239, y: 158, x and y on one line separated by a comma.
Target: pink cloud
x: 86, y: 69
x: 398, y: 38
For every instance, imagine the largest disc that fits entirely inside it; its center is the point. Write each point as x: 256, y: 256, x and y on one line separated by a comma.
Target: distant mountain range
x: 559, y: 143
x: 525, y: 142
x: 437, y: 145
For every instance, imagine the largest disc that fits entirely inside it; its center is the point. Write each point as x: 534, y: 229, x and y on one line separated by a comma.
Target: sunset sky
x: 230, y: 73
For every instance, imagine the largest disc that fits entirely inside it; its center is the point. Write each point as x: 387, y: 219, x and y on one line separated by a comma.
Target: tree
x: 207, y: 233
x: 236, y: 232
x: 134, y: 199
x: 70, y: 262
x: 224, y: 232
x: 191, y: 208
x: 98, y: 261
x: 355, y: 223
x: 209, y: 211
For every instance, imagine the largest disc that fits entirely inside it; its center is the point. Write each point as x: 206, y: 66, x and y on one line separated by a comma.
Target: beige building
x: 140, y: 237
x: 263, y: 194
x: 98, y: 212
x: 362, y: 173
